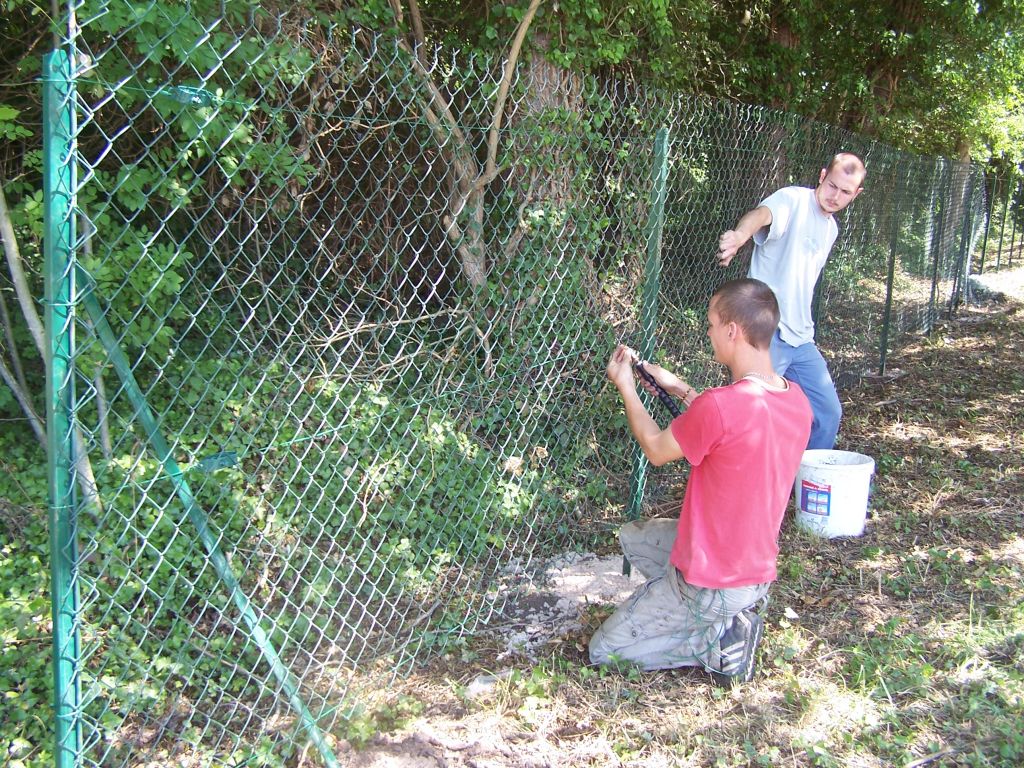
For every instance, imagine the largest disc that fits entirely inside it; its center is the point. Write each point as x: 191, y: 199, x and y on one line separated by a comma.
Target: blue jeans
x: 806, y: 366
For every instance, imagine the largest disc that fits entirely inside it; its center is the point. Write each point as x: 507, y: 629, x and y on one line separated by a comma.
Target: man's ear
x: 822, y: 175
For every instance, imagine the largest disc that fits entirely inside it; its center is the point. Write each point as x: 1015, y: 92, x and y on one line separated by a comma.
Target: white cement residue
x: 540, y: 612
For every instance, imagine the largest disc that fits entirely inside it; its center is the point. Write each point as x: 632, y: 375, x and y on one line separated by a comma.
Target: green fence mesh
x: 335, y: 348
x: 1002, y: 244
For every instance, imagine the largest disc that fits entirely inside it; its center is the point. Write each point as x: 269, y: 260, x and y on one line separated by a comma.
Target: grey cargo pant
x: 666, y: 623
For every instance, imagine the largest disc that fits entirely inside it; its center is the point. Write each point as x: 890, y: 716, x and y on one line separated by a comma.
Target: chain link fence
x: 898, y: 266
x: 327, y: 335
x: 1003, y: 240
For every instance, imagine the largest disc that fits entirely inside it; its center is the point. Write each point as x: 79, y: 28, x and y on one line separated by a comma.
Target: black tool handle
x: 663, y: 396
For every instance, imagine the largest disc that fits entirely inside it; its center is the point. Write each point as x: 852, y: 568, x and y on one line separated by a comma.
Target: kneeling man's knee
x: 598, y: 649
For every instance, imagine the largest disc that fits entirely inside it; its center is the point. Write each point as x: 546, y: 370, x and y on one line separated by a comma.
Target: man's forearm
x: 641, y: 423
x: 752, y: 221
x: 644, y: 428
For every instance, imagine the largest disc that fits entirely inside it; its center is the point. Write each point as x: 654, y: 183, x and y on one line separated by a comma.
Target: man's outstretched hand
x: 729, y: 244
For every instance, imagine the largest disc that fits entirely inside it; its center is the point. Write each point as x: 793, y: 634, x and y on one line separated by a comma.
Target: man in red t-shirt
x: 744, y: 441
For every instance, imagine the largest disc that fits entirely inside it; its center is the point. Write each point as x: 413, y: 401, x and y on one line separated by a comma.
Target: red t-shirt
x: 745, y: 443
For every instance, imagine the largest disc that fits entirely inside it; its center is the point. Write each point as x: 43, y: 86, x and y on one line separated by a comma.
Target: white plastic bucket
x: 831, y: 492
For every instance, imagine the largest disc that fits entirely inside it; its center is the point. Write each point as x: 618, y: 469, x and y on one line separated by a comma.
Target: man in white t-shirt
x: 793, y: 231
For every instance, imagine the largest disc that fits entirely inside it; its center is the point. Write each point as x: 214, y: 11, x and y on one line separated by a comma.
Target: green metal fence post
x: 59, y: 276
x: 988, y: 223
x: 1014, y: 198
x: 963, y: 262
x: 889, y: 281
x: 1002, y: 228
x: 937, y: 239
x: 649, y: 305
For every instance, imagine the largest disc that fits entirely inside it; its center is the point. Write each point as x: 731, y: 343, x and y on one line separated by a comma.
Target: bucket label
x: 815, y: 498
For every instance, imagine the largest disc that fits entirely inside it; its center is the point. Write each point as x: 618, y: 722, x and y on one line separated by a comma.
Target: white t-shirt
x: 789, y: 255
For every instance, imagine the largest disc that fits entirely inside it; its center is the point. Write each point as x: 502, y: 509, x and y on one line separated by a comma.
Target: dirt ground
x: 524, y: 697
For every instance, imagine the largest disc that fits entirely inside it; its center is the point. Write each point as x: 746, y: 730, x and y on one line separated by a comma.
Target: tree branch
x: 5, y: 317
x: 417, y: 27
x: 470, y: 179
x: 14, y: 263
x: 396, y: 6
x: 83, y: 466
x: 419, y: 39
x: 506, y: 83
x: 24, y: 401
